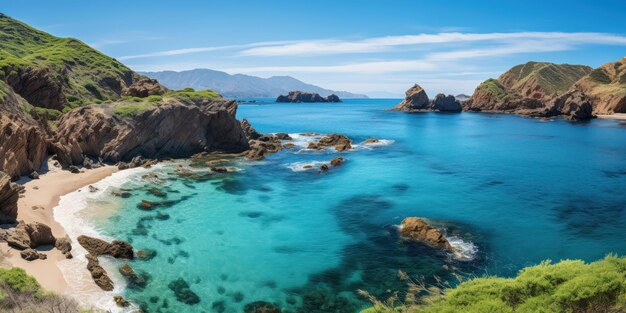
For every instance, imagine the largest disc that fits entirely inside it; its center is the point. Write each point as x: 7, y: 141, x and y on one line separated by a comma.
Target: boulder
x: 183, y: 292
x: 99, y: 275
x: 33, y: 175
x: 262, y: 147
x: 19, y: 237
x: 337, y: 161
x: 117, y: 249
x: 144, y: 87
x: 120, y: 301
x: 418, y: 229
x: 283, y: 136
x: 65, y: 246
x: 40, y: 234
x: 324, y: 168
x: 443, y: 103
x: 32, y: 254
x: 340, y: 142
x: 416, y: 99
x: 9, y: 194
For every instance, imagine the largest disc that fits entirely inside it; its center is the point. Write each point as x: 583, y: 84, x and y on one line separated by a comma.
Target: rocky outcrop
x: 179, y: 128
x: 415, y: 100
x: 97, y: 247
x: 443, y: 103
x: 418, y: 229
x: 263, y: 146
x: 145, y: 87
x: 338, y: 141
x: 24, y: 139
x: 39, y: 86
x: 574, y: 105
x: 532, y: 89
x: 31, y: 235
x: 32, y: 254
x: 604, y: 88
x: 306, y: 97
x: 9, y: 194
x: 250, y: 132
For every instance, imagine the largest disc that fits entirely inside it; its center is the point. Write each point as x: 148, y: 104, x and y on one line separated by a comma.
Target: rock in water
x: 9, y: 194
x: 337, y: 161
x: 417, y: 228
x: 117, y: 249
x: 261, y: 307
x: 99, y: 275
x: 415, y: 100
x: 182, y: 292
x: 443, y: 103
x: 120, y: 301
x: 305, y: 97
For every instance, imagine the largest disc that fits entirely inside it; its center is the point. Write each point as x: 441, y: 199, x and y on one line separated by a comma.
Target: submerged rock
x: 418, y: 229
x: 146, y: 254
x: 183, y: 293
x: 261, y: 307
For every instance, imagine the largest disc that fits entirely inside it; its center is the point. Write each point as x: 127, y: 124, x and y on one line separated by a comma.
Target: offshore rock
x: 418, y: 229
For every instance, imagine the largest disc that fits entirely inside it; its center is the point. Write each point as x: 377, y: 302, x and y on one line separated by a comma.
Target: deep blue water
x: 521, y: 190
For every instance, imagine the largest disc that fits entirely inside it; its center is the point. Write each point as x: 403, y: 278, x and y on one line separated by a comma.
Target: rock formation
x: 604, y: 88
x: 250, y: 132
x: 145, y: 87
x: 9, y: 195
x: 31, y: 235
x: 178, y: 128
x: 263, y: 146
x: 532, y: 89
x: 96, y: 247
x: 416, y: 100
x: 306, y: 97
x: 338, y: 141
x: 418, y: 229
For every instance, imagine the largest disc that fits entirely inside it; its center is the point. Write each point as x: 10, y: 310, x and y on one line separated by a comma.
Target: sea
x: 508, y: 191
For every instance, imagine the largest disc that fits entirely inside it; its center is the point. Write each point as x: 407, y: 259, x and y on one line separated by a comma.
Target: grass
x: 132, y: 109
x: 191, y: 94
x: 567, y: 286
x: 493, y: 87
x: 91, y: 75
x: 132, y: 106
x: 552, y: 78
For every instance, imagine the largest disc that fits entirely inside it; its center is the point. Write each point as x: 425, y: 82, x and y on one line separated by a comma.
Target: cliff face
x: 8, y: 199
x: 528, y: 89
x: 175, y: 128
x: 23, y: 139
x: 605, y: 87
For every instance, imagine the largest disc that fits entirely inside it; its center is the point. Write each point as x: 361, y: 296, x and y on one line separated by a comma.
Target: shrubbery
x: 567, y: 286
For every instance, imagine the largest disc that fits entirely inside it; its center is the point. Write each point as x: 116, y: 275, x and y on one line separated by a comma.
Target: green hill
x: 552, y: 79
x: 53, y: 72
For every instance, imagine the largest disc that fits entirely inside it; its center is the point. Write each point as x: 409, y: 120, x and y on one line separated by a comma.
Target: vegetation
x: 191, y: 94
x: 93, y: 75
x: 599, y: 76
x: 20, y: 293
x: 49, y: 114
x: 567, y: 286
x: 131, y: 106
x: 493, y: 87
x: 553, y: 78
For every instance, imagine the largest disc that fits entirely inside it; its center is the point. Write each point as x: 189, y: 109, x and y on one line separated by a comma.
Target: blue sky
x: 375, y: 47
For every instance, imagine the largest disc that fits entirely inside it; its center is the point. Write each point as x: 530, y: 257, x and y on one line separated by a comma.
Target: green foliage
x: 17, y: 279
x: 599, y: 76
x: 154, y: 99
x: 132, y: 109
x: 493, y: 87
x: 567, y: 286
x: 552, y: 78
x: 191, y: 94
x: 22, y: 46
x: 50, y: 114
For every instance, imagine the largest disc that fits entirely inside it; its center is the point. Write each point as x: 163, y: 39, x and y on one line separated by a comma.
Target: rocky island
x: 417, y: 101
x: 306, y: 97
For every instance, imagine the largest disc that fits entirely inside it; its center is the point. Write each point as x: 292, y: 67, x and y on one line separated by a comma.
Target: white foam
x: 300, y: 166
x: 68, y: 214
x: 462, y: 250
x: 369, y: 146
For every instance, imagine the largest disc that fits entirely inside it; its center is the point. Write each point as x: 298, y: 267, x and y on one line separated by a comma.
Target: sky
x: 380, y: 48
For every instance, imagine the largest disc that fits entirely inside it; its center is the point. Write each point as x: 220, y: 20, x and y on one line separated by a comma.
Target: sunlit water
x: 512, y: 191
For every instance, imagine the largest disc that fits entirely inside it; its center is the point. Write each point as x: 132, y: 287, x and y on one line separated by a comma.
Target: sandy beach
x: 36, y: 204
x: 615, y: 116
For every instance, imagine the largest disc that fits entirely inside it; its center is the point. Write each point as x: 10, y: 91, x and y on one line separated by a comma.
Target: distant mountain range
x: 240, y: 85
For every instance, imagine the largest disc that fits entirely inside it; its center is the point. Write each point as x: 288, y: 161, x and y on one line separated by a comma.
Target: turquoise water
x: 519, y: 190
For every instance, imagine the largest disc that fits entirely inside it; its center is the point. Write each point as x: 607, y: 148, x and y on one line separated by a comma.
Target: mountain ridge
x: 240, y: 85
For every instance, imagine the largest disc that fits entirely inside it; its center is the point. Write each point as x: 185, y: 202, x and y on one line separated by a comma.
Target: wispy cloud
x: 378, y: 44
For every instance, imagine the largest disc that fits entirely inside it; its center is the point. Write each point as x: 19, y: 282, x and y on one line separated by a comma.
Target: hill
x: 606, y: 87
x: 240, y: 85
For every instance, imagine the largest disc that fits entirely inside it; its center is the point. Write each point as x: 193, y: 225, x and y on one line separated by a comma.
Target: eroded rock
x: 418, y: 229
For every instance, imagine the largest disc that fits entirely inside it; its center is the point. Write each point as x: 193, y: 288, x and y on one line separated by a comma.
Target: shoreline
x: 41, y: 196
x: 614, y: 116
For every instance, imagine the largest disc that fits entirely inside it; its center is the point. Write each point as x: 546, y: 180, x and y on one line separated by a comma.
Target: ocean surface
x: 509, y: 191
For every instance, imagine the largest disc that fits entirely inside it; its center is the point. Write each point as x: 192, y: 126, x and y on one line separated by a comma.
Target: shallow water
x: 519, y: 190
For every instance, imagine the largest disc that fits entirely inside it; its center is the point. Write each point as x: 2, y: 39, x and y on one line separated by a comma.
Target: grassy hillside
x: 567, y: 286
x: 551, y: 78
x: 84, y: 73
x: 130, y: 106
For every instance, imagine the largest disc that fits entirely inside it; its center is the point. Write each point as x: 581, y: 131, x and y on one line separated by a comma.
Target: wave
x: 70, y: 213
x: 462, y: 250
x: 370, y: 146
x: 300, y: 166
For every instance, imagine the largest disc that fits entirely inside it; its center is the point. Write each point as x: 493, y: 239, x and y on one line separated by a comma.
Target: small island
x: 306, y: 97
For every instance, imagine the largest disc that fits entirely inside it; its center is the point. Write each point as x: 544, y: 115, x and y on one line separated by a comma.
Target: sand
x: 614, y: 116
x: 36, y: 204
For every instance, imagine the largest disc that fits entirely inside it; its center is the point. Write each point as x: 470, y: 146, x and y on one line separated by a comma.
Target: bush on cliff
x: 20, y: 293
x: 567, y: 286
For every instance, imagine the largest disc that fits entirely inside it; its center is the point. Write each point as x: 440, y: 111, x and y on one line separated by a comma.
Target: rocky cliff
x: 416, y: 100
x: 529, y: 89
x: 174, y: 127
x: 605, y: 88
x: 9, y: 194
x: 306, y: 97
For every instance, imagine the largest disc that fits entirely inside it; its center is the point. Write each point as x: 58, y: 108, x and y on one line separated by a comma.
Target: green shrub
x: 154, y: 99
x: 567, y: 286
x: 17, y: 279
x: 50, y: 114
x: 131, y: 109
